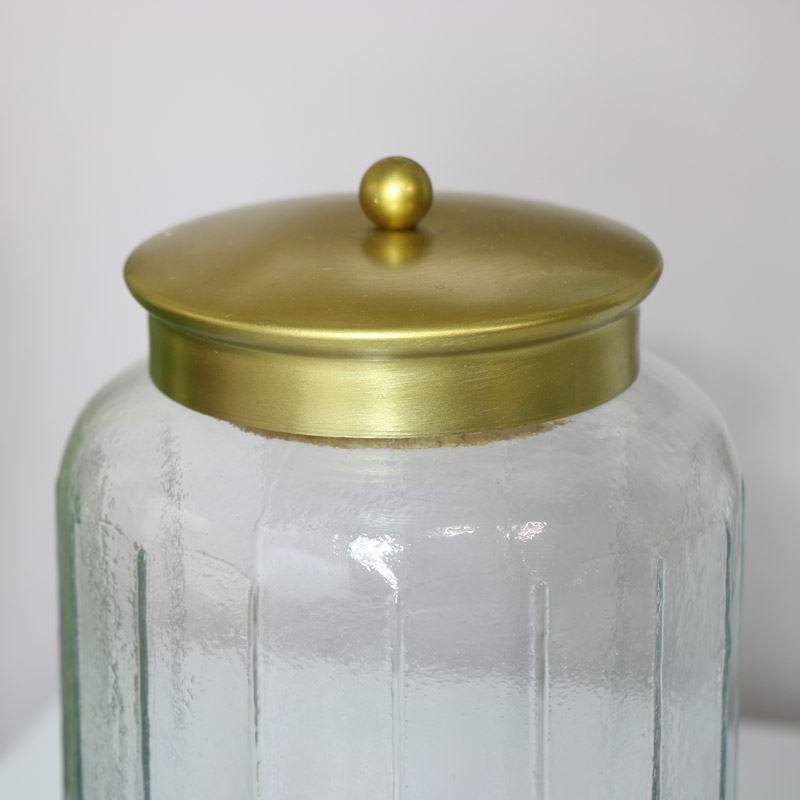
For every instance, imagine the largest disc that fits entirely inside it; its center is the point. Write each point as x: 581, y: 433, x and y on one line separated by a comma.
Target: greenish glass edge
x: 70, y: 679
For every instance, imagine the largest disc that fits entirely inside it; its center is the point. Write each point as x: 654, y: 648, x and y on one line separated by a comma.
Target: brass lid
x: 301, y: 317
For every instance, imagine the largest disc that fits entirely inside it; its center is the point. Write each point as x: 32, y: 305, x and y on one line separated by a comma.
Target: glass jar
x: 547, y: 609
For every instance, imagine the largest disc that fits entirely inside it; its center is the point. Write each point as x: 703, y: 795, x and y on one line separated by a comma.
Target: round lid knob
x: 395, y: 193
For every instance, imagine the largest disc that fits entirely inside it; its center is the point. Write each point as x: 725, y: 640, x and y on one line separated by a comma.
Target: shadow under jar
x: 398, y: 515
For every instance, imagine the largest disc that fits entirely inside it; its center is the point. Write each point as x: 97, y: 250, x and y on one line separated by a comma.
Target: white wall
x: 680, y: 118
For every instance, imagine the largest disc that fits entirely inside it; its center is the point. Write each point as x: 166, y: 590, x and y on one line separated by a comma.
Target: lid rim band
x: 462, y: 393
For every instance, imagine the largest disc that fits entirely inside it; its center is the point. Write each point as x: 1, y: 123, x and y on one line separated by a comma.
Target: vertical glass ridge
x: 398, y: 700
x: 70, y: 673
x: 144, y: 707
x: 539, y: 633
x: 254, y: 675
x: 736, y: 630
x: 658, y: 669
x: 724, y: 683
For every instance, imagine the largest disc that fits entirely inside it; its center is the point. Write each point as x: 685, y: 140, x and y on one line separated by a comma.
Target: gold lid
x: 301, y: 317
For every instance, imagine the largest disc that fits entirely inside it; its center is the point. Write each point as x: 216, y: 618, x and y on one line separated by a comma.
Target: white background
x: 679, y: 118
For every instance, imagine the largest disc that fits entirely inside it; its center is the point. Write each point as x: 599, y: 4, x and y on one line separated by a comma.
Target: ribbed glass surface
x: 551, y: 617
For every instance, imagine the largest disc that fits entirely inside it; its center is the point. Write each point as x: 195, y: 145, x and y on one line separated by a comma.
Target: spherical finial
x: 395, y: 193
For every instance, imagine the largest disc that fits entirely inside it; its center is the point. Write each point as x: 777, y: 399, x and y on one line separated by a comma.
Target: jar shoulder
x: 670, y: 419
x: 108, y: 425
x: 662, y: 403
x: 645, y: 456
x: 131, y: 441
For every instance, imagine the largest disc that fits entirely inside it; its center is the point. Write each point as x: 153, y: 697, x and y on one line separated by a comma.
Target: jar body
x: 552, y: 616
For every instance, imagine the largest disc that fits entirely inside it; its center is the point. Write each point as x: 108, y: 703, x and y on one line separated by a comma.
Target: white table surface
x: 769, y: 761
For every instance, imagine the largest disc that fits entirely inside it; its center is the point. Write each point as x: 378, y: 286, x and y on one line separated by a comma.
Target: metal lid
x: 302, y: 317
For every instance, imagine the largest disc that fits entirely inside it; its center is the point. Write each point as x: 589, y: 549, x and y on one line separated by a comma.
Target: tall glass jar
x: 308, y: 554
